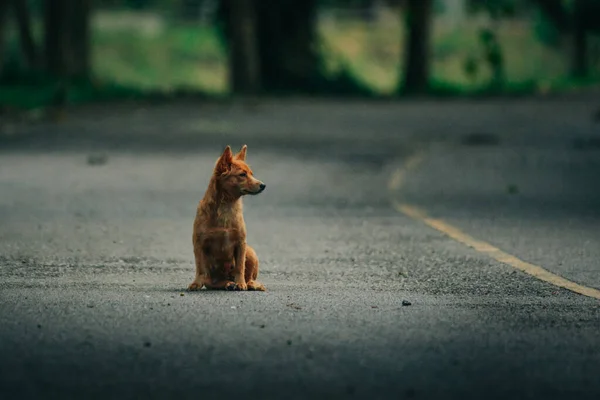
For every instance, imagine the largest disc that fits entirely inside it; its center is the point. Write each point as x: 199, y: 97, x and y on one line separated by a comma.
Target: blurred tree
x: 80, y: 38
x: 3, y: 19
x: 579, y: 61
x: 55, y: 36
x: 244, y: 65
x: 66, y: 25
x: 23, y: 17
x: 574, y: 20
x: 556, y: 12
x: 285, y: 31
x: 418, y: 28
x: 493, y: 55
x: 286, y: 37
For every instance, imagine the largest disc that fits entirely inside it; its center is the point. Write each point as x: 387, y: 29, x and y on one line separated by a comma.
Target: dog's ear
x: 224, y: 162
x: 242, y: 154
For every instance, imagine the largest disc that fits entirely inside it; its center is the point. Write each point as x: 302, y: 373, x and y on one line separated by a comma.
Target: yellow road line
x: 398, y: 176
x: 481, y: 246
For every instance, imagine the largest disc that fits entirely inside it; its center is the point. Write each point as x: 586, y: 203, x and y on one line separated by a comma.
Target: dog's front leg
x: 240, y: 266
x: 201, y: 270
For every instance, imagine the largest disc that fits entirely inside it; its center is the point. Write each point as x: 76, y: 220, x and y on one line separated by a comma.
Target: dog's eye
x: 243, y: 174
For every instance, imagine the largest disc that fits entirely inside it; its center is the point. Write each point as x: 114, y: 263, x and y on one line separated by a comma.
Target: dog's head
x: 235, y: 176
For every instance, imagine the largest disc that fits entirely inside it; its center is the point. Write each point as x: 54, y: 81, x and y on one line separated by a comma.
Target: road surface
x: 95, y: 252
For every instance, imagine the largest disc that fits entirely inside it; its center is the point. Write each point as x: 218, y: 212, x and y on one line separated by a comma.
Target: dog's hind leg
x: 251, y: 270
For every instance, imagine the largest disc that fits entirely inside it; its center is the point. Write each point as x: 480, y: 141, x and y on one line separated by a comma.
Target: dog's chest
x: 228, y: 217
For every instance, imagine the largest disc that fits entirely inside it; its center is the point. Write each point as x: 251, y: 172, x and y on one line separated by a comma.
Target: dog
x: 223, y: 259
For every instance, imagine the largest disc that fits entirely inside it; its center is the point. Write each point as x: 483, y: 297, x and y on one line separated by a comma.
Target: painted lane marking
x: 481, y: 246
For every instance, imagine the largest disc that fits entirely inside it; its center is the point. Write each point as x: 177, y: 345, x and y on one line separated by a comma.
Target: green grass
x: 183, y: 57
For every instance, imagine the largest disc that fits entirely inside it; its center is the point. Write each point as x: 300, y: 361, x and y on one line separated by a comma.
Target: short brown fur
x: 223, y: 259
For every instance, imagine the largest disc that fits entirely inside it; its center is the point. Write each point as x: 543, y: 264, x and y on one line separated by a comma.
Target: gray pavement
x: 95, y: 259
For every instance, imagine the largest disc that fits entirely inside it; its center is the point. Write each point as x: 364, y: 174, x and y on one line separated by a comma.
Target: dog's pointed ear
x: 242, y: 154
x: 224, y: 162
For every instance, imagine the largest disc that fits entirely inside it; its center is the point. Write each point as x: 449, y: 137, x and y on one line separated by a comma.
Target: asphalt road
x: 95, y: 253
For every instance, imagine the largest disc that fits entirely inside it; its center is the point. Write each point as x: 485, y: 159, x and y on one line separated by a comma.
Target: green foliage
x: 544, y: 30
x: 181, y: 55
x: 490, y: 54
x: 446, y: 89
x: 492, y: 50
x: 471, y: 67
x: 341, y: 82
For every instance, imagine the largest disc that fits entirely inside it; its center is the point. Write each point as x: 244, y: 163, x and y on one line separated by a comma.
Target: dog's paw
x: 237, y: 286
x: 195, y: 286
x: 257, y: 286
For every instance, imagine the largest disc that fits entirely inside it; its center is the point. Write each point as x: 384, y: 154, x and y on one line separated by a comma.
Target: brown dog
x: 223, y: 259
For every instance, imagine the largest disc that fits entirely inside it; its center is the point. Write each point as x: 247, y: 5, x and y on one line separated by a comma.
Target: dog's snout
x: 262, y: 186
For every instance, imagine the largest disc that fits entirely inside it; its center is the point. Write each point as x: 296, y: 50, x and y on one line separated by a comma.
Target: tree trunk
x: 56, y: 36
x: 416, y: 65
x: 243, y: 58
x: 286, y: 33
x: 79, y: 48
x: 67, y: 37
x: 3, y: 19
x: 24, y: 22
x: 579, y: 62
